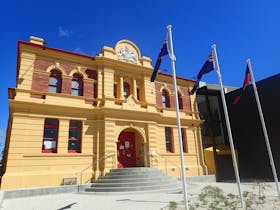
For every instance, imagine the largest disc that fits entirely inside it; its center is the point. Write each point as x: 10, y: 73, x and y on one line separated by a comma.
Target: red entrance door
x: 126, y: 149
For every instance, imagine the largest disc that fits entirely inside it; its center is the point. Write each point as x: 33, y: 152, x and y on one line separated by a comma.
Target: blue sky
x: 241, y: 29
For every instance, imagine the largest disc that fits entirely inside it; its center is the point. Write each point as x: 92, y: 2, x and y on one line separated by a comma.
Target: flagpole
x: 217, y: 67
x: 264, y: 127
x: 172, y: 57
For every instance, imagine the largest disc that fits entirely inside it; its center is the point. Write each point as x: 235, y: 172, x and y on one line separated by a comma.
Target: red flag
x: 247, y: 81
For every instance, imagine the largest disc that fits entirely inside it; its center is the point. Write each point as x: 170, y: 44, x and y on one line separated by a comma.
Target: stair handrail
x: 104, y: 157
x: 166, y: 160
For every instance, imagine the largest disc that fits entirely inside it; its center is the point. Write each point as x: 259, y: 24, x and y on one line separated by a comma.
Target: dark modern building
x: 248, y: 137
x: 247, y: 130
x: 214, y: 132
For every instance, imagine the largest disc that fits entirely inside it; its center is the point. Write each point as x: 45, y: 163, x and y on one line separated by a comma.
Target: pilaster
x: 26, y: 70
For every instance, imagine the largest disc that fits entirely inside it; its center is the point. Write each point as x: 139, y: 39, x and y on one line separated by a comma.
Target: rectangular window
x: 95, y: 90
x: 116, y: 90
x: 184, y: 140
x: 169, y: 139
x: 75, y: 133
x: 138, y: 94
x: 50, y: 136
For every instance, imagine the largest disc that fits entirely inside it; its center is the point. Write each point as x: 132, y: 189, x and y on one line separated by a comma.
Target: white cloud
x: 64, y: 32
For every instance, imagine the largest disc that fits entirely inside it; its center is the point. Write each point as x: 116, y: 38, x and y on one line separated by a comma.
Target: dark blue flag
x: 163, y: 52
x: 206, y: 68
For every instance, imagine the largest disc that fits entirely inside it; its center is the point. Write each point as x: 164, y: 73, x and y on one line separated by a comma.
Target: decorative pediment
x: 131, y: 103
x: 127, y: 51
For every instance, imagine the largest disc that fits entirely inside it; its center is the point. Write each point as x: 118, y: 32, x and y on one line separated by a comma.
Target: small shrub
x: 172, y: 205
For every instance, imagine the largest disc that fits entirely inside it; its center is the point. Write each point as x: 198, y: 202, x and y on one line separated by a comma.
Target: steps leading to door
x: 136, y: 179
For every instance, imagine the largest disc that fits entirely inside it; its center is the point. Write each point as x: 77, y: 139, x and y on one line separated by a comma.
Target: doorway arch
x: 130, y: 148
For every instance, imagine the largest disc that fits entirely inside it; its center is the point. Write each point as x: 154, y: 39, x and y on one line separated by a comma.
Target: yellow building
x: 73, y: 115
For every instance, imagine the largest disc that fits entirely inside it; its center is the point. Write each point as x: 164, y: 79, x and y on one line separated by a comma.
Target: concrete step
x: 130, y: 176
x: 135, y: 188
x: 153, y: 172
x: 142, y: 179
x: 169, y: 190
x: 132, y: 169
x: 133, y: 184
x: 135, y: 180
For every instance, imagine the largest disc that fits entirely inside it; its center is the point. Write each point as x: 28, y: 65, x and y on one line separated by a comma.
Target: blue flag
x: 163, y: 52
x: 206, y: 68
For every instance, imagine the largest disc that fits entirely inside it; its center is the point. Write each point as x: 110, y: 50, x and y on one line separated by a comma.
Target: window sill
x: 74, y: 151
x: 49, y: 151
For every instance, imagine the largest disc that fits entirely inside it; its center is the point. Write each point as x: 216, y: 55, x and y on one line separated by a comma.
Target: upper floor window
x: 165, y: 99
x: 74, y: 139
x: 77, y: 85
x: 180, y: 101
x: 55, y: 82
x: 115, y: 90
x: 95, y: 94
x: 50, y: 136
x: 126, y: 90
x: 168, y: 140
x: 138, y: 93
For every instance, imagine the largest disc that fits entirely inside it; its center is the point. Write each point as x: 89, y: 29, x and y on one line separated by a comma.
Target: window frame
x: 138, y: 93
x: 126, y: 86
x: 115, y: 90
x: 79, y: 79
x: 79, y: 139
x: 169, y: 143
x: 180, y: 101
x: 165, y: 100
x: 184, y: 141
x: 58, y: 78
x: 55, y: 139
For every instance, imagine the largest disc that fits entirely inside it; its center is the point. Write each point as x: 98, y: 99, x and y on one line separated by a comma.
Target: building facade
x: 78, y: 116
x: 215, y: 141
x: 247, y: 129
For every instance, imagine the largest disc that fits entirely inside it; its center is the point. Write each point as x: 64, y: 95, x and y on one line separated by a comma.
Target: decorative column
x: 97, y: 172
x: 199, y: 150
x: 99, y: 84
x: 134, y: 88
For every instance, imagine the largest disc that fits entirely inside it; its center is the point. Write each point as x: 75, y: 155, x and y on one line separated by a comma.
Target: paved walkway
x: 84, y: 201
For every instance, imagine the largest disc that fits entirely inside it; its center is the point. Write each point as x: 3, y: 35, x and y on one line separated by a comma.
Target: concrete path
x: 154, y: 201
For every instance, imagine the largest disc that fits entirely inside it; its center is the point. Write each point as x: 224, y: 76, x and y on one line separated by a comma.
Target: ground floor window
x: 75, y: 131
x: 184, y: 140
x: 169, y: 139
x: 50, y: 136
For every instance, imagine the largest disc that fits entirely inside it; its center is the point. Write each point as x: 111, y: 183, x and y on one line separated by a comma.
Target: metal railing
x: 154, y: 155
x: 90, y: 166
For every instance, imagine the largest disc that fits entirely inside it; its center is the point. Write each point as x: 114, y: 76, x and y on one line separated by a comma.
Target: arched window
x: 126, y: 89
x: 165, y: 99
x: 77, y: 85
x: 180, y: 101
x: 55, y: 82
